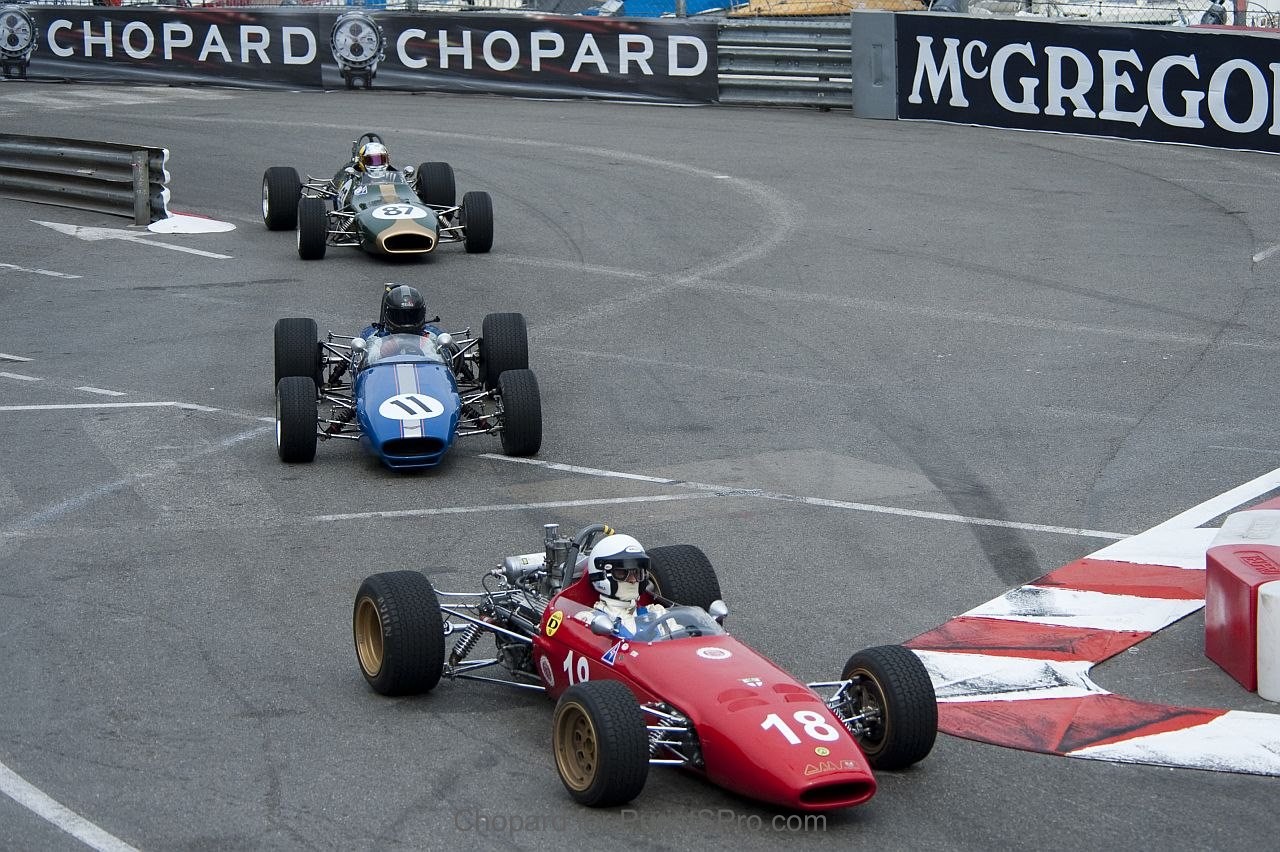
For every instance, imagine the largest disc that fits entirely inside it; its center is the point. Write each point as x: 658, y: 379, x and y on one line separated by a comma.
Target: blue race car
x: 405, y: 388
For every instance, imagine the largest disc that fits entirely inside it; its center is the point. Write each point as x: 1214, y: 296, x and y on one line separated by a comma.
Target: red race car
x: 663, y: 686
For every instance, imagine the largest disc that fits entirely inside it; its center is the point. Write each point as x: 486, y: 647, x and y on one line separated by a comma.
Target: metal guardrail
x: 103, y: 177
x: 786, y: 63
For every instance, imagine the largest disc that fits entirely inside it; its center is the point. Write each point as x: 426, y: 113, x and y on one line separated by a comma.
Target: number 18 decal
x: 812, y: 723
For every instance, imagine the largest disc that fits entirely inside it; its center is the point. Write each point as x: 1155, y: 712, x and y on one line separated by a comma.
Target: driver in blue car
x: 618, y: 568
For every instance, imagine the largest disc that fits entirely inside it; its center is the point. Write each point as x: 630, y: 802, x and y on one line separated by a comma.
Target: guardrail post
x: 141, y: 189
x: 875, y: 65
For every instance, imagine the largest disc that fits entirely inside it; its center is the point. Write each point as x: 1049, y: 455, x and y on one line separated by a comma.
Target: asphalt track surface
x: 1028, y: 329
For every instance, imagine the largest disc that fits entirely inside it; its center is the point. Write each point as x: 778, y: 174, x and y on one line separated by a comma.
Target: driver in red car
x: 618, y: 568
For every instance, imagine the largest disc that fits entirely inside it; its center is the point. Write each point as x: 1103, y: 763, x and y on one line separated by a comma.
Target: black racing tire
x: 297, y: 347
x: 398, y: 633
x: 435, y: 184
x: 477, y: 222
x: 893, y: 685
x: 313, y: 228
x: 504, y: 345
x: 521, y: 413
x: 600, y: 743
x: 281, y: 191
x: 682, y: 573
x: 296, y: 418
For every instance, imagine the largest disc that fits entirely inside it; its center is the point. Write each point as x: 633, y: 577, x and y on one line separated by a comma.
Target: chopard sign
x: 1162, y: 84
x: 293, y: 46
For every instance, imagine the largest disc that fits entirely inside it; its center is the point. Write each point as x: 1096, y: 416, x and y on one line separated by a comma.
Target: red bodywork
x: 763, y: 734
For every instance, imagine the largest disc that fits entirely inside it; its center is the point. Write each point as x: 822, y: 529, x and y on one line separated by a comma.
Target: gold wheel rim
x: 577, y: 750
x: 871, y: 695
x: 368, y: 630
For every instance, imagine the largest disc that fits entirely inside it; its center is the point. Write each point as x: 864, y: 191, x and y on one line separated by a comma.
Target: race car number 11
x: 811, y: 723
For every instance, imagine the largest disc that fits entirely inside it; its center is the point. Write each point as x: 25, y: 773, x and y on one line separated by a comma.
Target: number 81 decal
x: 398, y: 211
x: 813, y: 724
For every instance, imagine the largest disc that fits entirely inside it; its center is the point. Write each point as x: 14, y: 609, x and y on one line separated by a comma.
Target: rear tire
x: 435, y: 184
x: 682, y: 573
x: 296, y: 418
x: 398, y: 633
x: 298, y: 349
x: 600, y: 743
x: 477, y: 222
x: 891, y: 679
x: 281, y: 190
x: 504, y: 345
x: 313, y: 228
x: 521, y: 413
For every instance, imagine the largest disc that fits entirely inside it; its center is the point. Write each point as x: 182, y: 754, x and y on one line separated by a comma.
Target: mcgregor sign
x: 1162, y: 84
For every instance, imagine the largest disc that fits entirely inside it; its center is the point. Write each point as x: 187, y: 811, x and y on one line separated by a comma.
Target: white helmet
x: 618, y: 567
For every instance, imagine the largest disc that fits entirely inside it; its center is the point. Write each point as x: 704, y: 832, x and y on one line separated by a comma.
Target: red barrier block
x: 1234, y: 572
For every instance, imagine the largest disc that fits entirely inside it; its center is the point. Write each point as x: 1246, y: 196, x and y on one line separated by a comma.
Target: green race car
x: 372, y: 205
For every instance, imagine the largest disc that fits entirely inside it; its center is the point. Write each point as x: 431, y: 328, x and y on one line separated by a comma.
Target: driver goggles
x: 626, y: 570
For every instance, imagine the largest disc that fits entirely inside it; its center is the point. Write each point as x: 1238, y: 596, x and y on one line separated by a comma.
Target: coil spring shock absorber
x: 465, y: 643
x: 339, y: 416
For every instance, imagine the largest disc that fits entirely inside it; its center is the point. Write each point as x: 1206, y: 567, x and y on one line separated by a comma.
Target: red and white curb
x: 1015, y: 670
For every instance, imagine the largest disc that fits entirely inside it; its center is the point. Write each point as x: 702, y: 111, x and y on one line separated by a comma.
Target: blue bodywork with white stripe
x: 408, y: 411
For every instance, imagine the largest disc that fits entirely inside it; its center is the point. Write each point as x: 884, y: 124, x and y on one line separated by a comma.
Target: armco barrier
x: 104, y: 177
x: 785, y: 63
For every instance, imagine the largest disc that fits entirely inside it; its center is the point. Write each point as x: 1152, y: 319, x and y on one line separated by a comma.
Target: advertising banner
x: 1164, y: 84
x: 294, y: 47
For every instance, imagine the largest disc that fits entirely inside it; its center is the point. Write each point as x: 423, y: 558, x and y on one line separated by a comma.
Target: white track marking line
x: 735, y: 491
x: 6, y: 357
x: 48, y: 272
x: 40, y: 804
x: 508, y: 507
x: 20, y: 377
x: 1265, y: 253
x: 102, y: 391
x: 57, y: 510
x: 68, y: 406
x: 1212, y: 508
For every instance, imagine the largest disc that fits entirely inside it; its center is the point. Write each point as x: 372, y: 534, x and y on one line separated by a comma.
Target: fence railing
x: 103, y: 177
x: 786, y: 63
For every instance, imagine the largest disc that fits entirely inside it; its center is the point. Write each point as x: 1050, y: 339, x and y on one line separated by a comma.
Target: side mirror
x: 601, y: 624
x: 408, y: 171
x: 718, y: 610
x: 444, y: 338
x: 357, y: 345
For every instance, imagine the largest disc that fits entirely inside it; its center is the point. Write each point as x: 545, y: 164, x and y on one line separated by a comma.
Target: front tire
x: 281, y: 190
x: 683, y: 574
x: 297, y: 348
x: 521, y: 413
x: 435, y: 184
x: 398, y: 633
x: 600, y: 743
x: 504, y: 345
x: 477, y: 222
x: 313, y: 228
x: 296, y: 418
x: 893, y: 688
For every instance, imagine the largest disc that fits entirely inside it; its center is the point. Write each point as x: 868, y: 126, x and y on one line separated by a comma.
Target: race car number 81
x: 399, y: 211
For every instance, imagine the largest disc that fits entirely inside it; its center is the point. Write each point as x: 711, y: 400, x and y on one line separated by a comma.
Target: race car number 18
x: 812, y: 723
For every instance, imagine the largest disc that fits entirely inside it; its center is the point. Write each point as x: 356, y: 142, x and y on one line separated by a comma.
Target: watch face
x: 16, y: 32
x: 357, y: 41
